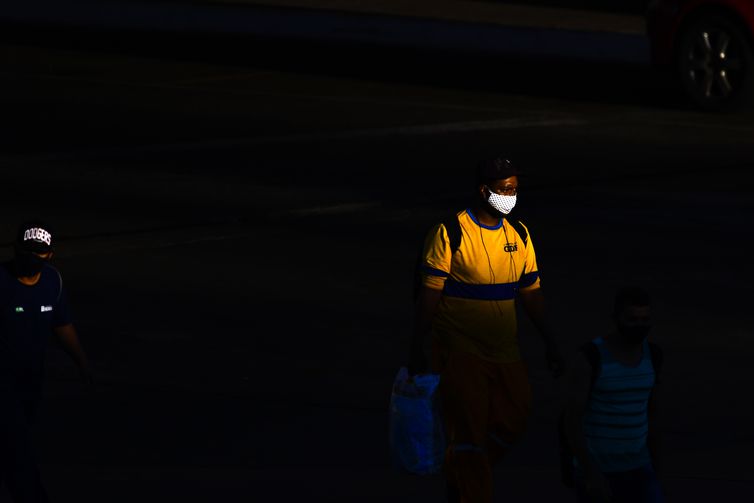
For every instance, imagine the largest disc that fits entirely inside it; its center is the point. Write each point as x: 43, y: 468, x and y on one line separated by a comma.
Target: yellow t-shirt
x: 480, y: 281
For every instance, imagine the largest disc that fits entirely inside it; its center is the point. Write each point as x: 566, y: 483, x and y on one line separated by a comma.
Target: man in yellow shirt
x: 473, y: 271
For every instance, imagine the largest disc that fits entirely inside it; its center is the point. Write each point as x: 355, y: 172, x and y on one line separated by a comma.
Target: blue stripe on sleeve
x: 499, y: 291
x: 529, y: 279
x: 431, y: 271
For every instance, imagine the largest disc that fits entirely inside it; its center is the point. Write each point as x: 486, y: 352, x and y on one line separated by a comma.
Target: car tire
x: 715, y: 64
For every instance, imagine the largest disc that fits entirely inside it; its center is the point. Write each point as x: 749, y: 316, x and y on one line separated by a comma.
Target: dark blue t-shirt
x: 27, y: 316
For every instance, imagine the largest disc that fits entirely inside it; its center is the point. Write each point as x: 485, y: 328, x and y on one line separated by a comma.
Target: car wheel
x: 715, y: 64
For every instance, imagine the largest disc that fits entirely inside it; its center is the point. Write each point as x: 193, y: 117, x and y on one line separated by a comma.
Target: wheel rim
x: 714, y: 64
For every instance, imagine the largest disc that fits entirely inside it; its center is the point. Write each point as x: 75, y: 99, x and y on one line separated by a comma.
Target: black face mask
x: 634, y: 334
x: 28, y: 264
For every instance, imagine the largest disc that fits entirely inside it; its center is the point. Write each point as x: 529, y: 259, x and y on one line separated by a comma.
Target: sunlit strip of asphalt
x: 195, y: 85
x: 421, y: 130
x: 706, y: 124
x: 117, y: 246
x: 333, y: 209
x: 401, y: 131
x: 154, y: 238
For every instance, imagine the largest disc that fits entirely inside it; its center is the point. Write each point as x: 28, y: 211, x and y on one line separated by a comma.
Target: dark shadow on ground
x: 549, y: 77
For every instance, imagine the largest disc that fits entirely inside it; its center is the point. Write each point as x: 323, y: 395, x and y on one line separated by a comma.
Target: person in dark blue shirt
x: 33, y: 306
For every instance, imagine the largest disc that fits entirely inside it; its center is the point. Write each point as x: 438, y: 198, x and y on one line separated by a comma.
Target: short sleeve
x: 435, y: 267
x: 530, y: 276
x: 61, y: 314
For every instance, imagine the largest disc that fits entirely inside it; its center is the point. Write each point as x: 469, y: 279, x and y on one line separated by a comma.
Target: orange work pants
x: 485, y: 408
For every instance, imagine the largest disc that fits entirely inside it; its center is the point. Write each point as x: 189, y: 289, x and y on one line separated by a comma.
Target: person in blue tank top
x: 33, y: 306
x: 610, y: 410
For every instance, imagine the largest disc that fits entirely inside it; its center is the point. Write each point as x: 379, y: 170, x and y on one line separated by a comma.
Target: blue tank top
x: 616, y: 421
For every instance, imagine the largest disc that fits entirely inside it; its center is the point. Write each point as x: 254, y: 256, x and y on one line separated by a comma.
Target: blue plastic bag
x: 417, y: 436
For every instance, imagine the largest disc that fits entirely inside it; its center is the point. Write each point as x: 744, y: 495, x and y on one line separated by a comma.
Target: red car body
x: 666, y: 19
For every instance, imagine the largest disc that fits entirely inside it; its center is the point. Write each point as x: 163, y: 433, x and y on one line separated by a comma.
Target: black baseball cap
x: 34, y: 236
x: 498, y: 168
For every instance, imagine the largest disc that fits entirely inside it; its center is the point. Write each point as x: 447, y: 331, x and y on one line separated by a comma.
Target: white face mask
x: 503, y: 204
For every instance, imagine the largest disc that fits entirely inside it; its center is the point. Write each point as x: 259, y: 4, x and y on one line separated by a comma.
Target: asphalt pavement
x: 238, y: 239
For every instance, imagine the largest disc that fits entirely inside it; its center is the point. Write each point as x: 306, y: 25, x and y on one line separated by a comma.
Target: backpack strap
x: 655, y: 353
x: 519, y: 227
x: 592, y: 354
x: 453, y: 228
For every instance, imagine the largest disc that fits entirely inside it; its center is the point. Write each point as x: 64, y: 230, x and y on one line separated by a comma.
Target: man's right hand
x: 426, y: 305
x: 417, y: 363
